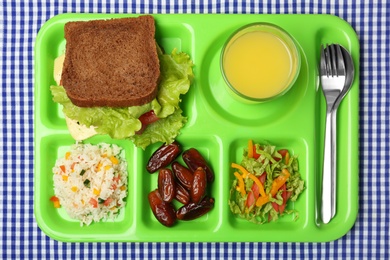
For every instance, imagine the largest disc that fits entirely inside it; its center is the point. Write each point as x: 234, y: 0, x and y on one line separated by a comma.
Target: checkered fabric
x: 20, y: 235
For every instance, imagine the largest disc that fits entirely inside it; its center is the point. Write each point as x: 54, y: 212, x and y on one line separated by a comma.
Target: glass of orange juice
x: 260, y: 62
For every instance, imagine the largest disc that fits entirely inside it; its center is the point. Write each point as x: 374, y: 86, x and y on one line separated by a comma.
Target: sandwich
x: 114, y: 79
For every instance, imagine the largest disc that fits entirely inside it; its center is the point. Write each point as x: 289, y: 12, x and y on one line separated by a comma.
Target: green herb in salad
x: 265, y: 181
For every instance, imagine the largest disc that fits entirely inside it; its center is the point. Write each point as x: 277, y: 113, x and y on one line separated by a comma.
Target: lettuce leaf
x: 119, y: 123
x: 164, y: 130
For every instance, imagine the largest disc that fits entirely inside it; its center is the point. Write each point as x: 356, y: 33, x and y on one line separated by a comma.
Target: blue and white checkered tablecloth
x: 20, y: 236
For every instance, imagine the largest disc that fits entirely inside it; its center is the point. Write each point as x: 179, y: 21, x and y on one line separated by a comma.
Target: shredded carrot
x: 245, y: 173
x: 279, y: 181
x: 262, y: 200
x: 241, y: 185
x: 62, y: 167
x: 276, y: 184
x: 250, y: 148
x: 242, y: 169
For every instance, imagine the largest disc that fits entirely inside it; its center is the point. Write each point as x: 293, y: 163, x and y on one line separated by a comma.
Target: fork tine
x: 328, y: 61
x: 333, y: 59
x: 340, y: 62
x: 323, y: 69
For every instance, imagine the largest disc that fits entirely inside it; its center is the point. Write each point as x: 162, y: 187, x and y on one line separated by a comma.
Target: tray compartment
x: 58, y: 221
x: 209, y: 147
x: 296, y: 147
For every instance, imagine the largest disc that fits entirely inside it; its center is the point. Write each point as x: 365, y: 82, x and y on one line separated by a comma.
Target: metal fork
x: 333, y: 75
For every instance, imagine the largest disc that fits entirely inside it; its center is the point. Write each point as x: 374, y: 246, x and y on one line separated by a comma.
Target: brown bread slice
x: 111, y: 63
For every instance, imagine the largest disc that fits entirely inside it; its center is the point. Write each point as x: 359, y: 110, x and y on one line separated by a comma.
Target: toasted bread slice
x: 111, y: 63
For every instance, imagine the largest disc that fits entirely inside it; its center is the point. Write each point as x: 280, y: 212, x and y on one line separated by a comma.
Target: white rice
x: 94, y: 184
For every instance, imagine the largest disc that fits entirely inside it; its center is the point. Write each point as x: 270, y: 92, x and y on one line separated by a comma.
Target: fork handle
x: 327, y: 199
x: 334, y: 157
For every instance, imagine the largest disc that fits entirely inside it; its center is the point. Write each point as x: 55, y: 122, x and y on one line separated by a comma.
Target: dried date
x: 166, y: 184
x: 198, y: 189
x: 194, y: 159
x: 163, y: 156
x: 183, y: 175
x: 182, y: 195
x: 195, y: 210
x: 162, y: 210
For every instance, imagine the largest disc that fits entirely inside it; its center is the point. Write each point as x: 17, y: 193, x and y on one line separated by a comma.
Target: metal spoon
x: 350, y: 74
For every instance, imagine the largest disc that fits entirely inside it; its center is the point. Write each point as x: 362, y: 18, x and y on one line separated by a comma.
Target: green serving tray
x: 219, y: 126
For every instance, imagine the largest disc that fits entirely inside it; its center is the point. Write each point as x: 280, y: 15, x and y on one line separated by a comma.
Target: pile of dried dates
x: 187, y: 184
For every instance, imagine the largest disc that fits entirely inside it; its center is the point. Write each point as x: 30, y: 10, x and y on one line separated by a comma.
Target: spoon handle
x: 327, y: 199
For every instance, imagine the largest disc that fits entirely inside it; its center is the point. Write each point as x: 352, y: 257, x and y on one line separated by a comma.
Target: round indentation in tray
x: 215, y: 91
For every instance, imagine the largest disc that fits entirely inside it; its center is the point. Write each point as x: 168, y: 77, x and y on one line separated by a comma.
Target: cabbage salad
x: 264, y: 183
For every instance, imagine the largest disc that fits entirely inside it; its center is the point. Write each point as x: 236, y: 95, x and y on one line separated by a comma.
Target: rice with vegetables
x: 90, y: 182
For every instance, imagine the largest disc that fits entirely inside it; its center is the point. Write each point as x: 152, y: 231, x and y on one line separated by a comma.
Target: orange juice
x: 259, y: 64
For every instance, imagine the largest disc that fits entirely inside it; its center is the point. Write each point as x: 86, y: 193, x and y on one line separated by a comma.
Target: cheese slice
x: 79, y: 132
